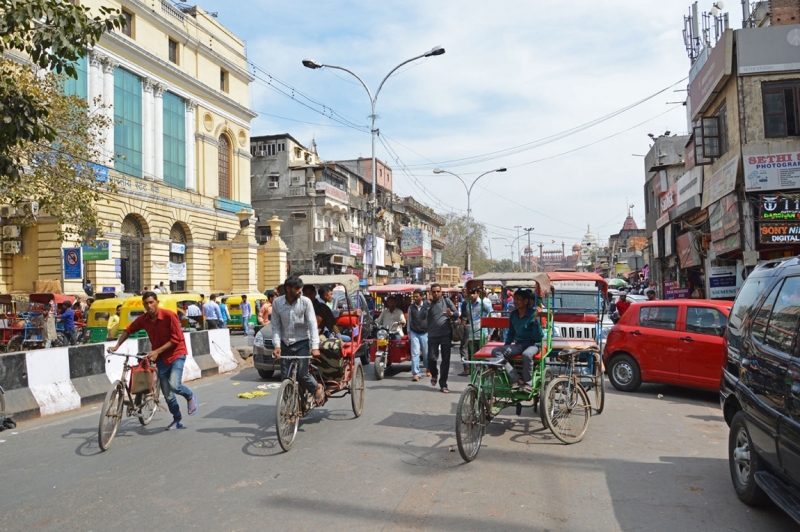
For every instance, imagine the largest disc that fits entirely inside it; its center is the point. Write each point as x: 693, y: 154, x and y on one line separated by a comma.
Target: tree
x: 456, y: 229
x: 59, y: 174
x: 53, y: 34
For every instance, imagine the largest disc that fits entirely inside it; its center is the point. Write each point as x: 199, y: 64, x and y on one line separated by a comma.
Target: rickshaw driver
x: 524, y: 337
x: 392, y: 319
x: 294, y: 326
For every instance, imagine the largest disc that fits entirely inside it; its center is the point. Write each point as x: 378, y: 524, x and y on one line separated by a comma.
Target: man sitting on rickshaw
x: 392, y: 319
x: 325, y: 321
x: 524, y: 338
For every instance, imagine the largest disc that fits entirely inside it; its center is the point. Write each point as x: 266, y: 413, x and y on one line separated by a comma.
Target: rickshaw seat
x: 486, y: 352
x: 494, y: 322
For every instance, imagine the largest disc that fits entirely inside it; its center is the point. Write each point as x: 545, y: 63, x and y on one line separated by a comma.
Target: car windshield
x: 584, y: 301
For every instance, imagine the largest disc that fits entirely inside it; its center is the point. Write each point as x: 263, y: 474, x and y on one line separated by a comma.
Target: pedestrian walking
x: 247, y: 311
x: 67, y: 318
x: 266, y: 308
x: 168, y: 351
x: 48, y: 324
x: 88, y: 288
x: 418, y: 333
x: 440, y: 336
x: 473, y: 309
x: 225, y: 316
x: 212, y: 313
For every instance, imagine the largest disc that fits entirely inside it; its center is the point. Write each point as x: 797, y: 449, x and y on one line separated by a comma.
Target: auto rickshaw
x: 133, y: 307
x: 99, y: 314
x: 234, y: 304
x: 385, y: 352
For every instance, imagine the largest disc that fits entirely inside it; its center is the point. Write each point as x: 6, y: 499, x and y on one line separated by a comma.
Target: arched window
x: 177, y: 258
x: 224, y: 167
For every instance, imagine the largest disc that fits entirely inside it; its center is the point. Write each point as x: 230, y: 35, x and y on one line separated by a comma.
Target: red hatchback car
x: 679, y: 341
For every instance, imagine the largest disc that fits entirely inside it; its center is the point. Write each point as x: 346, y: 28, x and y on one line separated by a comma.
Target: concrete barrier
x: 49, y: 381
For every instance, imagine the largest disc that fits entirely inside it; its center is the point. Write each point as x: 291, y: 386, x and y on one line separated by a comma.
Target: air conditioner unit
x: 12, y: 247
x: 12, y: 231
x: 31, y: 208
x: 272, y: 185
x: 299, y: 215
x: 338, y: 260
x: 261, y: 153
x: 222, y: 235
x: 7, y: 211
x: 322, y: 271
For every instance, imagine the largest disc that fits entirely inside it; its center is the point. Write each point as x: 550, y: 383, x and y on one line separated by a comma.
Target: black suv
x: 760, y: 392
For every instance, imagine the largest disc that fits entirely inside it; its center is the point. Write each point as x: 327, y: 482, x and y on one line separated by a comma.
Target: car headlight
x: 606, y: 330
x: 383, y: 334
x: 258, y: 341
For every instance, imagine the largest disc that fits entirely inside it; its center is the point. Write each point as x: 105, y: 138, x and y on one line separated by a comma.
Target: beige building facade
x: 176, y: 85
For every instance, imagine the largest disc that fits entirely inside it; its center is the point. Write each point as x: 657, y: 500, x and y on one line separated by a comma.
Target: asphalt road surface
x: 647, y: 463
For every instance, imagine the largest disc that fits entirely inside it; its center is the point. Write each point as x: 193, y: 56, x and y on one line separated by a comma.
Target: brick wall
x: 783, y: 12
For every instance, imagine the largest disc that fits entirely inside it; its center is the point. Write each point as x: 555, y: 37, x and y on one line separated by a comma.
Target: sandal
x: 415, y: 378
x: 434, y: 380
x: 193, y: 405
x: 527, y: 389
x: 445, y: 390
x: 319, y: 397
x: 464, y: 374
x: 516, y: 385
x: 175, y: 425
x: 428, y: 373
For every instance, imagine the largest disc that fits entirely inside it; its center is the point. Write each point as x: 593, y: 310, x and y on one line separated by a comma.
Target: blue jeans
x: 528, y: 351
x: 71, y: 336
x: 301, y: 348
x: 246, y: 325
x: 169, y: 375
x: 419, y: 341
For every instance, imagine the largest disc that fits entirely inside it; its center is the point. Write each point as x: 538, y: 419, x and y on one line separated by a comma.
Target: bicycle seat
x: 565, y: 355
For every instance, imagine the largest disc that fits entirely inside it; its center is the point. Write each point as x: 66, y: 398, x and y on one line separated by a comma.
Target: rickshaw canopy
x: 397, y: 288
x: 349, y: 282
x: 44, y: 298
x: 601, y: 283
x: 540, y: 278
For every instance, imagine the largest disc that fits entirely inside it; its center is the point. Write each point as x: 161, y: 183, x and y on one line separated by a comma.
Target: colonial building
x: 176, y: 85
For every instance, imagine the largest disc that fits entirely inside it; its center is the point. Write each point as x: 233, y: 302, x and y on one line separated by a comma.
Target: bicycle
x: 142, y: 405
x: 565, y: 405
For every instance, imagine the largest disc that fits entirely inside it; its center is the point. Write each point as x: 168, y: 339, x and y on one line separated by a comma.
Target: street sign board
x: 72, y: 264
x: 97, y: 250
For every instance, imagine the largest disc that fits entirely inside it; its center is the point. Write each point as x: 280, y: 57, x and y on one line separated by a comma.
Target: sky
x: 514, y: 73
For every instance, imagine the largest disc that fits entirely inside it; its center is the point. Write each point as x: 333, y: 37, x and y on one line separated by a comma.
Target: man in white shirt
x: 392, y: 319
x: 194, y: 314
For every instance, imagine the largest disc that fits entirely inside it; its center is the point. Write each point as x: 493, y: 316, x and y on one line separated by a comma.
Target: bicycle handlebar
x: 292, y: 357
x: 138, y: 355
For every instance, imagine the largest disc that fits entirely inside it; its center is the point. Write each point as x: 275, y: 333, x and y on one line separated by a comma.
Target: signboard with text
x: 722, y: 282
x: 771, y: 167
x: 672, y: 290
x: 97, y: 250
x: 73, y: 264
x: 721, y: 183
x: 779, y: 233
x: 777, y: 207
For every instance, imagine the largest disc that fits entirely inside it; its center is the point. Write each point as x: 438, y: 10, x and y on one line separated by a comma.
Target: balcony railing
x: 297, y: 191
x: 172, y: 11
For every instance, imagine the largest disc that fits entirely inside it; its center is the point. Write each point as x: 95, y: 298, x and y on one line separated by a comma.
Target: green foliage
x: 58, y: 173
x: 52, y: 34
x: 456, y: 230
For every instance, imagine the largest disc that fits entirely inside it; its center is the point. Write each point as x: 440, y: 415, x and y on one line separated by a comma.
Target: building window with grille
x: 174, y: 141
x: 177, y: 259
x: 781, y: 114
x: 224, y: 167
x: 223, y: 80
x: 173, y: 51
x: 128, y: 122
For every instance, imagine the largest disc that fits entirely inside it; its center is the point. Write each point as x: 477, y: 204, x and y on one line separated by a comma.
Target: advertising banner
x: 466, y: 275
x: 355, y: 249
x: 416, y: 243
x: 722, y: 282
x: 777, y: 207
x: 98, y: 250
x: 770, y: 49
x: 177, y: 271
x: 380, y: 249
x: 779, y: 233
x: 721, y: 183
x: 673, y: 291
x: 768, y: 169
x: 723, y: 217
x: 712, y: 75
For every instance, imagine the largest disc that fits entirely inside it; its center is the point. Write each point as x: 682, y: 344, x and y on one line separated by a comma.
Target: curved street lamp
x: 308, y: 63
x: 467, y: 256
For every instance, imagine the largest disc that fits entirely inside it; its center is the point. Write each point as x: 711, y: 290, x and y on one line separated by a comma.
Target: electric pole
x: 528, y: 250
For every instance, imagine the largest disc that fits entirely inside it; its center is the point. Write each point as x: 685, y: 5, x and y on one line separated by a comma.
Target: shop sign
x: 721, y: 183
x: 723, y: 217
x: 690, y: 184
x: 358, y: 272
x: 712, y: 75
x: 686, y: 250
x: 770, y: 49
x: 97, y: 250
x: 383, y: 273
x: 669, y: 199
x: 177, y: 271
x: 672, y: 290
x: 355, y: 249
x: 688, y: 156
x: 722, y: 282
x: 668, y: 241
x: 655, y: 244
x: 467, y: 275
x: 773, y: 166
x: 179, y: 249
x: 779, y: 233
x: 772, y: 208
x: 331, y: 191
x: 662, y: 221
x: 690, y: 205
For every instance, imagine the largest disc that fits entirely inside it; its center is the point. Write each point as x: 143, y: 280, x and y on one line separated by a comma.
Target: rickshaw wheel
x: 600, y: 394
x: 149, y: 404
x: 567, y: 409
x: 287, y: 414
x: 14, y: 345
x: 470, y: 423
x: 380, y: 367
x: 61, y: 340
x: 110, y: 415
x: 357, y: 389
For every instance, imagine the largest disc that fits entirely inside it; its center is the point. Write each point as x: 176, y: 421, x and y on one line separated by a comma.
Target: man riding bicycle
x: 294, y: 326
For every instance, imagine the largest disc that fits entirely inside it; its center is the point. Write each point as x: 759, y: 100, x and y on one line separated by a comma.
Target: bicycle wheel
x: 357, y: 389
x: 287, y: 414
x: 110, y: 415
x: 470, y: 423
x: 600, y: 394
x: 14, y: 345
x: 567, y: 409
x: 149, y: 404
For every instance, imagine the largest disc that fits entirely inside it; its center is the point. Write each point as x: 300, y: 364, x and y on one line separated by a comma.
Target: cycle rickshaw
x: 384, y: 351
x: 340, y: 374
x: 558, y: 380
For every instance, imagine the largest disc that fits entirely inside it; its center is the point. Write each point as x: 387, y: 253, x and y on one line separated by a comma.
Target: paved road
x: 646, y: 464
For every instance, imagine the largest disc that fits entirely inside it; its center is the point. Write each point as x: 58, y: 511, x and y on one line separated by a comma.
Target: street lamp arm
x: 369, y: 92
x: 466, y: 187
x: 394, y: 70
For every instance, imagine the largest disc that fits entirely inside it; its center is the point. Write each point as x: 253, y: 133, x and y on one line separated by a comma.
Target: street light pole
x: 467, y: 256
x: 519, y: 255
x: 308, y: 63
x: 528, y: 249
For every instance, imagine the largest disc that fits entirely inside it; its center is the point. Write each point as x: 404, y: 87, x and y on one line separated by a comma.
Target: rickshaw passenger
x: 326, y: 298
x: 524, y: 337
x: 392, y: 319
x: 325, y: 319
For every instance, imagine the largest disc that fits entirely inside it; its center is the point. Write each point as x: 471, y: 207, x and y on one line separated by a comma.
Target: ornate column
x: 95, y: 91
x: 274, y: 256
x: 108, y: 101
x: 191, y: 144
x: 148, y: 160
x: 244, y: 256
x: 158, y: 129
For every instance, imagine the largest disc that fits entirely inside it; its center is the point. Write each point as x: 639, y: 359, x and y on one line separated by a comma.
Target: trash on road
x: 252, y: 395
x: 269, y: 386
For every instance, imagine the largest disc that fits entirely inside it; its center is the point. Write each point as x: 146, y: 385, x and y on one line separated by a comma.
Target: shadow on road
x: 127, y: 428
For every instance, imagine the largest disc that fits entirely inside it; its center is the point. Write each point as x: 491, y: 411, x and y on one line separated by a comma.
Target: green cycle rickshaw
x: 559, y: 393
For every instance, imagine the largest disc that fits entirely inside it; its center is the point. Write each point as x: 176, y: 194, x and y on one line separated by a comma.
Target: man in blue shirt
x: 524, y: 337
x: 247, y: 311
x: 67, y: 317
x: 212, y: 313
